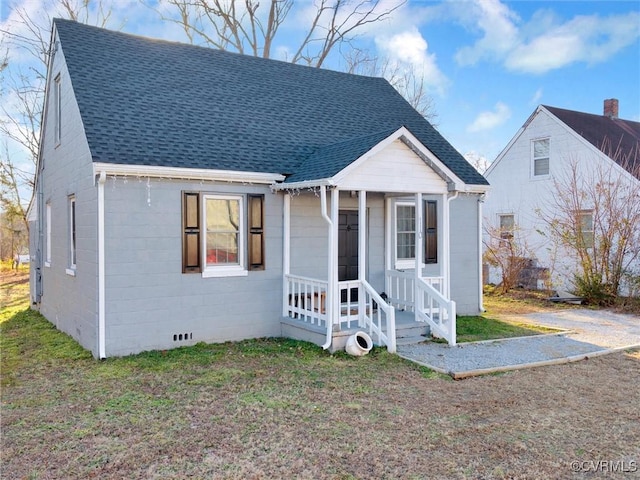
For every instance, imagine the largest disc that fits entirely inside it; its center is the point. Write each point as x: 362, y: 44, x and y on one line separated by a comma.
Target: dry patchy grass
x: 282, y: 409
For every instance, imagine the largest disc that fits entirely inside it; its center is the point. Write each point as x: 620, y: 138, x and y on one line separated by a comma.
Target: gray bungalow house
x: 189, y: 195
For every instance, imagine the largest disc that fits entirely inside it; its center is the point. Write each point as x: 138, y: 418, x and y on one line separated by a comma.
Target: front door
x: 348, y: 249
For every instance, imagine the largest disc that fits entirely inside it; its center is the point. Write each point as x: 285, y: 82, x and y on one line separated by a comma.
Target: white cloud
x: 409, y: 49
x: 589, y: 39
x: 544, y: 43
x: 498, y: 24
x: 536, y: 97
x: 489, y: 120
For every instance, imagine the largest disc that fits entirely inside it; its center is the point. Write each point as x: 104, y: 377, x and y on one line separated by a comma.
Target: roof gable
x: 617, y: 138
x: 157, y: 103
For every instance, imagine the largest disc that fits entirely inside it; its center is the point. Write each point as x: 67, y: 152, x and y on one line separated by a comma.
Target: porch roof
x: 326, y: 161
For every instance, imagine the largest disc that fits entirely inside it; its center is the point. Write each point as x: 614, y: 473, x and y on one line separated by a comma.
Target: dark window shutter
x: 256, y: 231
x: 431, y: 232
x: 191, y: 258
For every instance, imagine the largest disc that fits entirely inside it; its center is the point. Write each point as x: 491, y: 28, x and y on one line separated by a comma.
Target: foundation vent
x: 181, y: 337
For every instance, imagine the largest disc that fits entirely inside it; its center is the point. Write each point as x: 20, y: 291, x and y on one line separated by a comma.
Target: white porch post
x: 446, y: 247
x: 419, y: 248
x: 362, y: 252
x: 286, y: 251
x: 333, y: 256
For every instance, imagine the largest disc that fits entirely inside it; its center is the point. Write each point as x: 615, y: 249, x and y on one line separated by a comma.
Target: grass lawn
x: 477, y: 328
x: 275, y: 408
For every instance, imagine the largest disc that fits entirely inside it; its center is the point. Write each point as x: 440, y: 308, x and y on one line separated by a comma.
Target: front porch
x: 390, y: 320
x: 366, y: 243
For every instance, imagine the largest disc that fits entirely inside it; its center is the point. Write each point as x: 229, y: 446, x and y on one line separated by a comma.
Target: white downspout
x: 362, y: 252
x: 286, y: 251
x: 101, y: 267
x: 329, y: 307
x: 480, y: 273
x: 388, y: 244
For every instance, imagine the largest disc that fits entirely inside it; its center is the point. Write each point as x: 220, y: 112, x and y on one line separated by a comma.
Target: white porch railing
x: 305, y: 299
x: 432, y: 306
x: 370, y: 311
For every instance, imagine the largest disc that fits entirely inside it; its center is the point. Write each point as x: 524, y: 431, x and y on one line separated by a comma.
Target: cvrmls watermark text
x: 605, y: 466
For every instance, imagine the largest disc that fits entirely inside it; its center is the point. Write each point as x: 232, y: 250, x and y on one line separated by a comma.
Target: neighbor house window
x: 585, y: 226
x: 57, y: 110
x: 507, y: 225
x: 47, y: 258
x: 72, y: 234
x: 406, y: 234
x: 541, y: 157
x: 223, y: 235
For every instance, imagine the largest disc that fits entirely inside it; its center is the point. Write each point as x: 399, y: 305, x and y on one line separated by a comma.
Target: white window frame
x: 534, y: 159
x: 235, y: 270
x: 47, y: 258
x: 403, y: 263
x: 72, y: 233
x: 57, y: 110
x: 506, y: 233
x: 584, y: 232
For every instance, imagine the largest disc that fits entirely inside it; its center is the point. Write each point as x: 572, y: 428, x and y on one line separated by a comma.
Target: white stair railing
x: 370, y: 310
x: 439, y: 312
x: 432, y: 306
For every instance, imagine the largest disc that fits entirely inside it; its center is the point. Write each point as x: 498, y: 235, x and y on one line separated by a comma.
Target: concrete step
x: 414, y: 329
x: 411, y: 340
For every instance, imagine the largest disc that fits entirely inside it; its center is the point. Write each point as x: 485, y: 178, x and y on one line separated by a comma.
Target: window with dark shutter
x: 256, y: 231
x: 431, y: 232
x: 191, y: 258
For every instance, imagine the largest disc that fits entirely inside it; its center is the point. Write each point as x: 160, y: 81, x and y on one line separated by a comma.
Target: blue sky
x: 487, y: 64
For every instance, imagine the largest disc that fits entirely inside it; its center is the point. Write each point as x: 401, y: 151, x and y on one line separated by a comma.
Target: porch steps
x: 408, y: 331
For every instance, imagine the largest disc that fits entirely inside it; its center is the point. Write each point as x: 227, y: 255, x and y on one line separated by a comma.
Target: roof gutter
x: 323, y: 182
x: 186, y: 173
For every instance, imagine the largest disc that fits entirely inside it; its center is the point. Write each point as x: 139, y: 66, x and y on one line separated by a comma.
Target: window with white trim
x: 585, y: 228
x: 540, y: 153
x: 223, y: 235
x: 507, y: 226
x: 57, y: 110
x: 47, y: 258
x: 406, y: 234
x: 72, y: 232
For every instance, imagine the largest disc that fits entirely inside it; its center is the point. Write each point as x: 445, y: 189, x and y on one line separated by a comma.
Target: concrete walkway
x: 586, y: 333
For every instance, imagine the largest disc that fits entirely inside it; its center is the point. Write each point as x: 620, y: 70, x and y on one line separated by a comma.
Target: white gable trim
x: 186, y: 173
x: 418, y: 148
x: 515, y: 138
x: 404, y: 135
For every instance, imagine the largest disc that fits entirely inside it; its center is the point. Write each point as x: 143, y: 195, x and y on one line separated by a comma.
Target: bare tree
x: 244, y: 27
x: 508, y: 251
x: 595, y: 216
x: 408, y: 80
x: 23, y: 92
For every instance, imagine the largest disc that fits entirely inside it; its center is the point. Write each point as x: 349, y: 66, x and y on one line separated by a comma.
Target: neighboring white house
x: 526, y: 174
x: 185, y: 194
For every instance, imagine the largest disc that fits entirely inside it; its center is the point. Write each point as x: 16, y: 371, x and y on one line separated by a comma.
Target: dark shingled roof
x: 617, y: 138
x: 152, y: 102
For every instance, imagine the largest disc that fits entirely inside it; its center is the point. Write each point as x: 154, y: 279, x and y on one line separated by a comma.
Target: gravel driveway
x: 587, y: 333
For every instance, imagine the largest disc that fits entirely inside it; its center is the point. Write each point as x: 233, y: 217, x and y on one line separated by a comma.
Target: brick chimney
x: 611, y: 108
